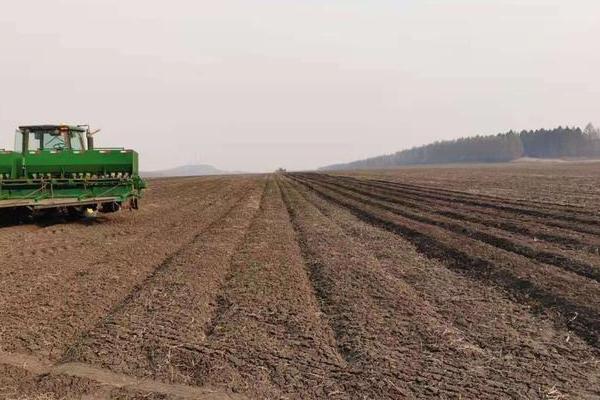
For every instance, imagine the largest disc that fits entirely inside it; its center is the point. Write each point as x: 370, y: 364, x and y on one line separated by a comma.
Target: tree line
x: 503, y: 147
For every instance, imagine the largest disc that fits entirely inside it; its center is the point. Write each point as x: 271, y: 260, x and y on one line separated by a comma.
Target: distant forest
x: 503, y: 147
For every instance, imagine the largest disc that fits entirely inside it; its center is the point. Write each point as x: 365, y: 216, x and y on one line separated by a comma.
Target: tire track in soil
x: 172, y: 307
x: 391, y: 338
x: 515, y: 243
x: 40, y: 379
x: 527, y: 349
x: 574, y: 299
x: 268, y: 338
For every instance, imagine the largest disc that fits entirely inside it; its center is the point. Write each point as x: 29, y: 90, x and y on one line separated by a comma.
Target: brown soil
x: 573, y: 183
x: 309, y: 286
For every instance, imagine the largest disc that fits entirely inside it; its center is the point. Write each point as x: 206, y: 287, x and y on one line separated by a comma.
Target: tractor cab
x: 52, y: 138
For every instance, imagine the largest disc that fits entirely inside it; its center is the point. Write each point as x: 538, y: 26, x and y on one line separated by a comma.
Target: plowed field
x: 309, y: 286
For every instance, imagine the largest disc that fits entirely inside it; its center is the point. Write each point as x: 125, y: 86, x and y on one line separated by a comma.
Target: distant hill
x: 185, y: 170
x: 555, y: 143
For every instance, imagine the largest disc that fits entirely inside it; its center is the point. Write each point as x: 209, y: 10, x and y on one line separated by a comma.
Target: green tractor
x: 57, y: 167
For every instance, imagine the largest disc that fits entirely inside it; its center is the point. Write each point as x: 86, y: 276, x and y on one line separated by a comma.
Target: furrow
x: 267, y: 338
x: 97, y: 266
x: 589, y: 218
x: 149, y: 322
x: 399, y: 349
x: 521, y: 345
x: 529, y: 282
x: 559, y: 233
x: 513, y: 244
x: 486, y: 199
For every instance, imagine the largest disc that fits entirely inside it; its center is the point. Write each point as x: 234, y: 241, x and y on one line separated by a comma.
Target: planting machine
x: 57, y: 167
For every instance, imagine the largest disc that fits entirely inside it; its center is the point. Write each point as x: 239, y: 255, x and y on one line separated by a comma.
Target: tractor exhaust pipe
x: 90, y: 142
x: 90, y: 138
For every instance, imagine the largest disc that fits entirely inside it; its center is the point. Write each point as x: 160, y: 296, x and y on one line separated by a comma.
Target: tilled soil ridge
x: 173, y: 307
x: 545, y: 286
x: 530, y: 349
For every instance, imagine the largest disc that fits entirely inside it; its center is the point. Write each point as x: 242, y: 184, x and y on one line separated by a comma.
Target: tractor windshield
x: 48, y: 141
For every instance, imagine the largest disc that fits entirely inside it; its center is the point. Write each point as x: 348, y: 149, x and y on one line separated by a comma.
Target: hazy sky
x: 257, y: 84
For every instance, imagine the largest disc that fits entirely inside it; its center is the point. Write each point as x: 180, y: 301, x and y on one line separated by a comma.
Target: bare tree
x: 592, y: 131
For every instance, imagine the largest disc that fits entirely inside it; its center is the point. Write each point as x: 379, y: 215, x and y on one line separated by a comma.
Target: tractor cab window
x: 18, y: 141
x: 50, y: 140
x: 77, y: 141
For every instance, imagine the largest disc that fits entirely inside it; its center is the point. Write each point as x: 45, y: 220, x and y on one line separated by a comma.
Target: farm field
x: 562, y: 182
x: 446, y: 283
